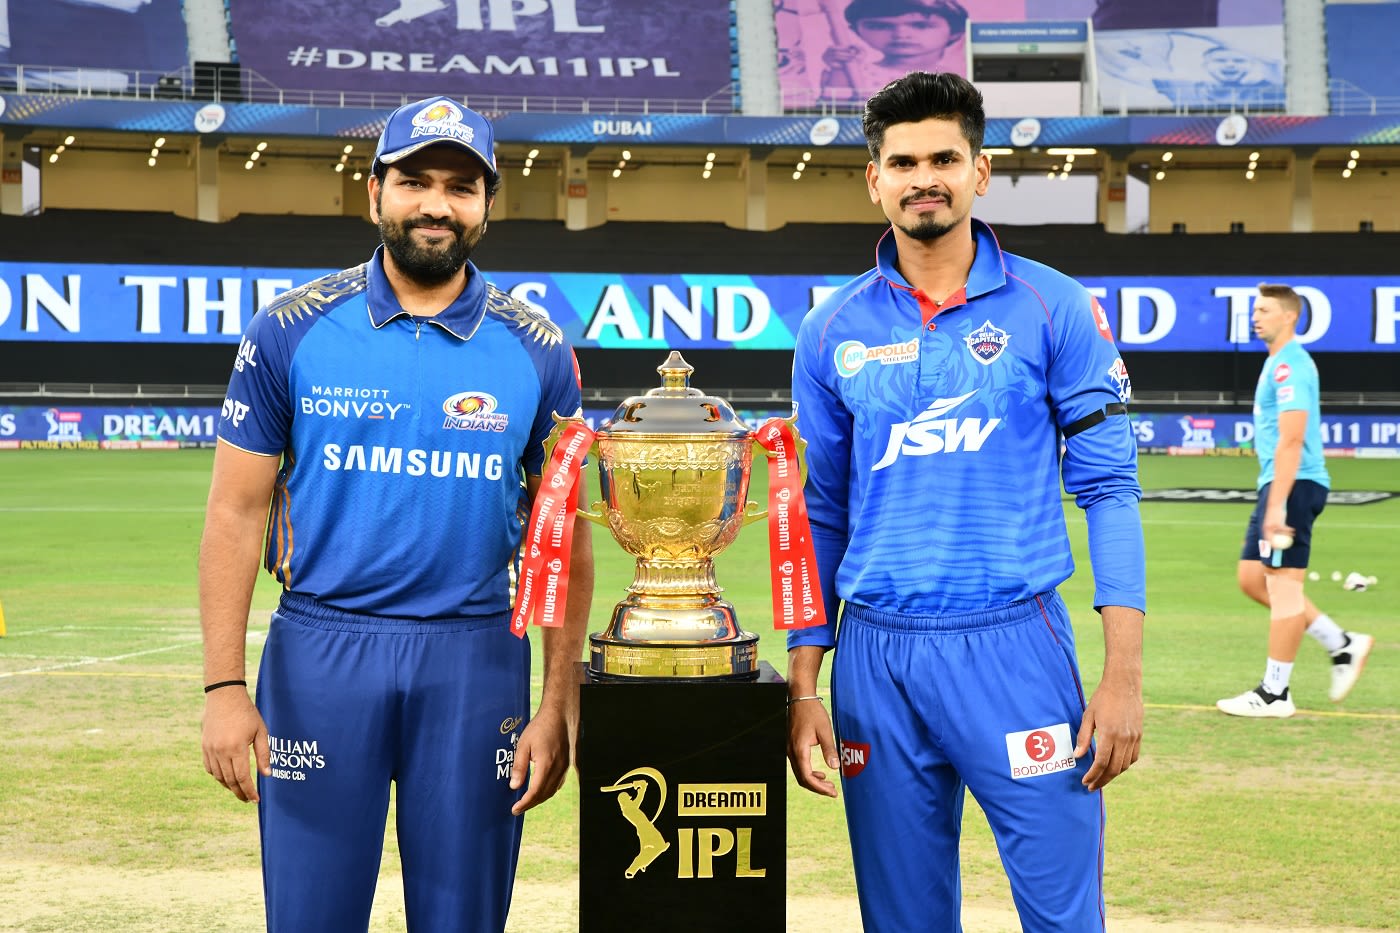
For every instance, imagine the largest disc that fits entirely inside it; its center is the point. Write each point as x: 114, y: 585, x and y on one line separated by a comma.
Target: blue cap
x: 430, y: 122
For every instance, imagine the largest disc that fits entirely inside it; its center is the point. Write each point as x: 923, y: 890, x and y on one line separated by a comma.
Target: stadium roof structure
x: 267, y: 119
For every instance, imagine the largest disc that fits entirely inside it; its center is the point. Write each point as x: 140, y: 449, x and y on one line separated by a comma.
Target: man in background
x: 1292, y: 485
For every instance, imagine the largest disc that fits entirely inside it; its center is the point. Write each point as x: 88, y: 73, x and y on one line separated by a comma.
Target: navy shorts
x: 1305, y: 504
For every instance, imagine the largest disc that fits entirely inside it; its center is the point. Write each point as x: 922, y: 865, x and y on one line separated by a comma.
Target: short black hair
x: 920, y: 96
x: 950, y: 10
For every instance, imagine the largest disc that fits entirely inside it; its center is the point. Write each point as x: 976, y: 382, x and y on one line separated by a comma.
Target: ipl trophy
x: 673, y: 467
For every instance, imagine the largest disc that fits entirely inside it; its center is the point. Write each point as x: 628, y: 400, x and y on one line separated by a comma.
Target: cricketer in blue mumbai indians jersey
x: 424, y: 427
x: 1288, y: 382
x: 935, y: 458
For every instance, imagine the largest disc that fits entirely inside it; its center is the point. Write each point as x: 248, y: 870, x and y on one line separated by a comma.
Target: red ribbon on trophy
x: 797, y: 598
x: 543, y: 588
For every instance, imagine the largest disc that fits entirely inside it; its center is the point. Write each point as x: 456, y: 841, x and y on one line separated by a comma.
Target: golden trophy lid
x: 675, y: 408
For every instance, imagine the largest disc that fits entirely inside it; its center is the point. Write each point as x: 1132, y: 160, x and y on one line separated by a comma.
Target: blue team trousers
x: 353, y: 703
x: 988, y: 701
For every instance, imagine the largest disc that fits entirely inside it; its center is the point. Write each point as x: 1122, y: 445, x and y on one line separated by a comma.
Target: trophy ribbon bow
x: 797, y: 601
x: 543, y: 588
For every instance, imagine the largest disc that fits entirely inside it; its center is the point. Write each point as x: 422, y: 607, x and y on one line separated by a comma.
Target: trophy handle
x: 596, y: 514
x: 752, y: 512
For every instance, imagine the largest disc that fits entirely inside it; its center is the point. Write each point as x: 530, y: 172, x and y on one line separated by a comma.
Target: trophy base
x: 612, y: 659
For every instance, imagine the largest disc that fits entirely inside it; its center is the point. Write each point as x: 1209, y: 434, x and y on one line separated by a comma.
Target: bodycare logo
x: 1040, y: 751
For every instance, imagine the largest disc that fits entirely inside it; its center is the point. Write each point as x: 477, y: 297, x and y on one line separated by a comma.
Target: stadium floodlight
x: 255, y: 155
x: 69, y: 140
x: 801, y: 166
x: 1249, y: 174
x: 1356, y: 153
x: 998, y: 151
x: 53, y: 157
x: 1254, y: 156
x: 709, y: 157
x: 151, y: 162
x: 1351, y: 163
x: 626, y: 154
x: 1161, y: 175
x: 357, y: 176
x: 262, y: 146
x: 154, y: 153
x: 348, y: 149
x: 617, y: 173
x: 796, y: 176
x: 1070, y: 151
x: 525, y: 172
x: 339, y: 167
x: 705, y: 173
x: 533, y: 153
x: 160, y: 141
x: 247, y: 165
x: 1346, y: 172
x: 60, y: 148
x: 1167, y: 156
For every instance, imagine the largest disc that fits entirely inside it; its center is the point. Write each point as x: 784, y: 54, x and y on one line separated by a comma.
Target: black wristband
x: 225, y: 683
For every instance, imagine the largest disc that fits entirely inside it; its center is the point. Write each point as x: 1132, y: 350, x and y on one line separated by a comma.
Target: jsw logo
x: 931, y: 434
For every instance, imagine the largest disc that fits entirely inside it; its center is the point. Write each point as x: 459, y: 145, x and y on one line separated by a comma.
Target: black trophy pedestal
x: 683, y: 806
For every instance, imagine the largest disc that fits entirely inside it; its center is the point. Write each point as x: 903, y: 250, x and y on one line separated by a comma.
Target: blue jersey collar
x: 460, y: 319
x: 988, y: 271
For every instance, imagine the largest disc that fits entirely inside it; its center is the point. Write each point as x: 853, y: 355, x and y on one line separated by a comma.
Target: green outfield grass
x: 1223, y: 819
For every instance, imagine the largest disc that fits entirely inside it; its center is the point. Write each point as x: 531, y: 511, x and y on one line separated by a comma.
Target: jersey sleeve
x: 825, y: 424
x: 257, y: 414
x: 561, y: 392
x: 1089, y: 391
x: 1295, y: 385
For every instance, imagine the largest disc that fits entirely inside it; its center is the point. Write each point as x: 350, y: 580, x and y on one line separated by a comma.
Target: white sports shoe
x: 1347, y: 664
x: 1259, y: 704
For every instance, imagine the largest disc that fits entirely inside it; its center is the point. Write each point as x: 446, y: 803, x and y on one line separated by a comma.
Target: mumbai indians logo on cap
x: 987, y: 342
x: 442, y: 118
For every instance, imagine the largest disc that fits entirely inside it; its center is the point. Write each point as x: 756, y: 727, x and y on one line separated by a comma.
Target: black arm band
x: 225, y: 683
x: 1089, y: 420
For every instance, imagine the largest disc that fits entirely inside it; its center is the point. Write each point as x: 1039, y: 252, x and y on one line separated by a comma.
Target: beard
x: 429, y: 264
x: 927, y: 227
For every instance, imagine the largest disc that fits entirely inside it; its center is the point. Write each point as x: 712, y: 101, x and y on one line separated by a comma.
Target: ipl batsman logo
x: 630, y: 789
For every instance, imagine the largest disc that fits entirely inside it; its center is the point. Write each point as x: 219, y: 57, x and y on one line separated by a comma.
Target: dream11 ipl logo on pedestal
x: 701, y: 851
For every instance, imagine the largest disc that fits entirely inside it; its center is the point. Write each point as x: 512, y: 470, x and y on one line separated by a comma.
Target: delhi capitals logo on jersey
x: 987, y: 342
x: 1118, y: 375
x: 473, y: 411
